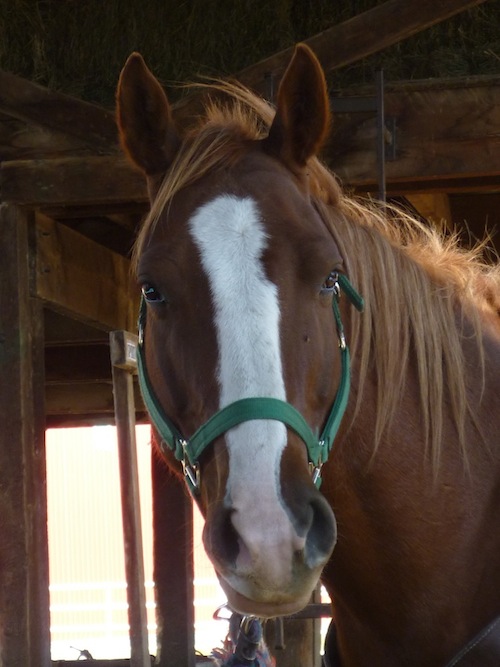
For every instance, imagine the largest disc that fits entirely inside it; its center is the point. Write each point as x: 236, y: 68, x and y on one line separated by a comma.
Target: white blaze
x: 231, y: 239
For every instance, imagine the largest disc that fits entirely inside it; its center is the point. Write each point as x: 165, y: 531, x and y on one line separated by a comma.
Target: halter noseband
x: 189, y: 450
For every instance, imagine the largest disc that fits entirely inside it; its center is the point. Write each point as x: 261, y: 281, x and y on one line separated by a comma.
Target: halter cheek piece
x: 189, y: 450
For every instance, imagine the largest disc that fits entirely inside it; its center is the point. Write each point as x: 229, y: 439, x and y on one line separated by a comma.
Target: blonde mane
x: 417, y: 282
x: 419, y: 287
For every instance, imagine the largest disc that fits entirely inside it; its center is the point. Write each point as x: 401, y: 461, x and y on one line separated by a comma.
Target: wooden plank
x: 74, y: 181
x: 361, y: 36
x: 445, y: 132
x: 355, y: 166
x: 60, y: 330
x: 91, y: 125
x: 471, y: 184
x: 124, y: 363
x: 173, y: 568
x: 442, y: 133
x: 72, y: 402
x: 24, y: 593
x: 94, y: 127
x: 20, y: 141
x: 83, y: 401
x: 83, y: 279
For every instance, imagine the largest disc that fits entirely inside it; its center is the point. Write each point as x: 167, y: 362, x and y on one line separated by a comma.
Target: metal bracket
x: 386, y: 127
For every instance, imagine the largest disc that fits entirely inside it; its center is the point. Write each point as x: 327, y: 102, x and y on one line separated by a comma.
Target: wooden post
x: 296, y: 644
x: 24, y: 564
x: 295, y: 641
x: 123, y: 360
x: 173, y: 568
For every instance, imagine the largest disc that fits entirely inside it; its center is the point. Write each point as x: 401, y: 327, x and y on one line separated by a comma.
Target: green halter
x: 188, y: 451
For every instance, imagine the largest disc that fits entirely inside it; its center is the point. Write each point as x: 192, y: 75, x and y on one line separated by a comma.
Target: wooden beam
x: 20, y: 140
x: 361, y: 36
x: 443, y: 132
x: 83, y: 404
x: 62, y: 330
x: 76, y: 181
x: 446, y: 133
x: 470, y: 184
x: 82, y: 279
x: 125, y: 214
x: 24, y: 589
x: 92, y: 126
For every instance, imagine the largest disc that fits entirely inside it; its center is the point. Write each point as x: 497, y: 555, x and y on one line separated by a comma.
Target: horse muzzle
x: 269, y: 559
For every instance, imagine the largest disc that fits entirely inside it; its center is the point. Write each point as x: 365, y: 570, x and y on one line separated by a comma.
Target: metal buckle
x: 191, y: 471
x: 342, y: 340
x: 316, y: 474
x: 140, y: 330
x: 336, y: 287
x: 315, y: 469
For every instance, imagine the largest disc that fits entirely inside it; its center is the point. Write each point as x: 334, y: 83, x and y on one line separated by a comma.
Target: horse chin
x: 263, y: 609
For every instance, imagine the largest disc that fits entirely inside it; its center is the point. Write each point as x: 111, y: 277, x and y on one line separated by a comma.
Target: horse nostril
x: 313, y: 520
x: 220, y: 537
x: 322, y: 533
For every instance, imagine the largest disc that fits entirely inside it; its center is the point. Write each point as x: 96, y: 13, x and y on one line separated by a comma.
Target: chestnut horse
x: 250, y: 263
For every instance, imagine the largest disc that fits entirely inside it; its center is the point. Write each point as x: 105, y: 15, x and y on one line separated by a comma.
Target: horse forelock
x: 215, y: 140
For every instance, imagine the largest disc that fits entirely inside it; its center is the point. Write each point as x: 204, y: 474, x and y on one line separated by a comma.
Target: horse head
x: 238, y: 273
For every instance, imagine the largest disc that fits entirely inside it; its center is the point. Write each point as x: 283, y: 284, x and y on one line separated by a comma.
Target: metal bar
x: 314, y: 610
x: 122, y: 359
x: 380, y: 136
x: 270, y: 92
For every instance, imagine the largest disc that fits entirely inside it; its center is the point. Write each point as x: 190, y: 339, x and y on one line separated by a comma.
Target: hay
x: 79, y: 46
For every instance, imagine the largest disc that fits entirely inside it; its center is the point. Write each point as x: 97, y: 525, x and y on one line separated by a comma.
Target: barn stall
x: 70, y: 208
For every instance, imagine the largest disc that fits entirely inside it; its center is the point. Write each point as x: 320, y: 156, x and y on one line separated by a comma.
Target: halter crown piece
x: 189, y: 450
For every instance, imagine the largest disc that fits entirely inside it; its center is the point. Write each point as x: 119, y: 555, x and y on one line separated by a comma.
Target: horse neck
x: 407, y: 560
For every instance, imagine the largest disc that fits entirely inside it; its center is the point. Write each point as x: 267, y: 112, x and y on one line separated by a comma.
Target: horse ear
x: 146, y: 128
x: 302, y: 116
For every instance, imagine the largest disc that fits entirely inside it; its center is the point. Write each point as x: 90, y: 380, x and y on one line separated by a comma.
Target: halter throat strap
x: 188, y: 451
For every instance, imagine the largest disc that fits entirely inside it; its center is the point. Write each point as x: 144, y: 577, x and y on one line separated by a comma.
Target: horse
x: 269, y: 295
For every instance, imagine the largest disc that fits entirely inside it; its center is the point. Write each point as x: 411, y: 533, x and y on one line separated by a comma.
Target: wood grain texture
x: 24, y: 589
x: 88, y: 124
x: 441, y: 133
x: 73, y: 181
x: 361, y: 36
x: 81, y: 278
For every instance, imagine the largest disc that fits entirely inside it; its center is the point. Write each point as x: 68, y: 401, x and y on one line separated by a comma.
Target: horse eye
x: 331, y: 282
x: 151, y: 294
